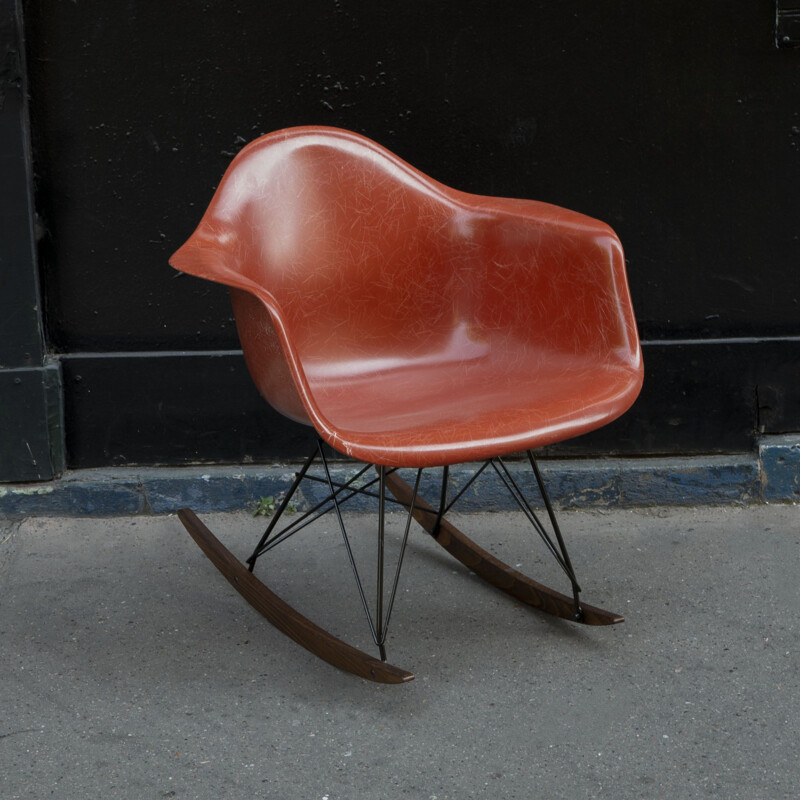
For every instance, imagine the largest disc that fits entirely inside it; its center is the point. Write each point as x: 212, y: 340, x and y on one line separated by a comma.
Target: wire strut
x: 340, y: 493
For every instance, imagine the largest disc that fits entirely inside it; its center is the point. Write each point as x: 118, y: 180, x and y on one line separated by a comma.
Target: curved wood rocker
x: 283, y: 616
x: 413, y: 326
x: 491, y: 569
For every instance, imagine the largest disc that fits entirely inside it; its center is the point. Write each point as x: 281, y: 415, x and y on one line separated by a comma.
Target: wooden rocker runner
x: 413, y: 326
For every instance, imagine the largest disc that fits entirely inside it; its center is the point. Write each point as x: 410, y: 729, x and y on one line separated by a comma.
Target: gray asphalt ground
x: 131, y: 669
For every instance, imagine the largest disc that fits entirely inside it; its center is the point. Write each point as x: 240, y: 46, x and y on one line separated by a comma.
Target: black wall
x: 678, y: 123
x: 30, y: 392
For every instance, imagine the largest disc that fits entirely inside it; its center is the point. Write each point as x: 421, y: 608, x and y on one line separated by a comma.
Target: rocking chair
x: 413, y: 326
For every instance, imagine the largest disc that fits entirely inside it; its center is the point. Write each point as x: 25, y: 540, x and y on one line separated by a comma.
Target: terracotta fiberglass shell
x: 410, y: 323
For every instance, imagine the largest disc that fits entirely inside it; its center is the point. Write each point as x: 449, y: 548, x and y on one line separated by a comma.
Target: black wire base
x: 388, y: 487
x: 434, y: 521
x: 338, y: 495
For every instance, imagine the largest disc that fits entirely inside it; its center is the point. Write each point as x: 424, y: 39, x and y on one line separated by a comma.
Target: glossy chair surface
x: 410, y: 323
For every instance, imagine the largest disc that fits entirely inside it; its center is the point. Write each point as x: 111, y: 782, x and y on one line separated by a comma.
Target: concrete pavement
x: 131, y: 669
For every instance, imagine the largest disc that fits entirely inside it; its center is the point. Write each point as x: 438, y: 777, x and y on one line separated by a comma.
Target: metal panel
x: 191, y: 408
x: 175, y: 408
x: 30, y: 424
x: 787, y: 23
x: 20, y: 324
x: 30, y: 391
x: 622, y: 111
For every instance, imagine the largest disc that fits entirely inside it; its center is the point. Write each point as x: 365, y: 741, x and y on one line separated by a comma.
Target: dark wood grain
x: 285, y: 618
x: 491, y: 569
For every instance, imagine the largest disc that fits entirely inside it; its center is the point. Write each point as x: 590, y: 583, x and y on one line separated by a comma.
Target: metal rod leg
x: 298, y: 478
x: 442, y: 502
x: 346, y: 539
x: 379, y: 578
x: 557, y: 530
x: 412, y: 506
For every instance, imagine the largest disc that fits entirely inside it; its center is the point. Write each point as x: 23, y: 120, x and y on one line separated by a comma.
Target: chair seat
x: 440, y: 409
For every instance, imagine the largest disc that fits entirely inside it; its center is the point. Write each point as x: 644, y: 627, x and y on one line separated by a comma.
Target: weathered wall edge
x: 771, y: 474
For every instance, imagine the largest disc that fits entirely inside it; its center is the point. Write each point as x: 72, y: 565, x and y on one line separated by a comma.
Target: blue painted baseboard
x: 772, y: 474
